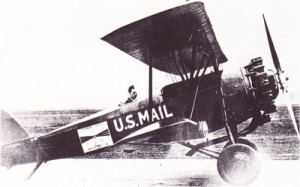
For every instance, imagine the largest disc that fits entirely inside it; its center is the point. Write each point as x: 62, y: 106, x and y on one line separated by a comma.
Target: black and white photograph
x: 150, y: 93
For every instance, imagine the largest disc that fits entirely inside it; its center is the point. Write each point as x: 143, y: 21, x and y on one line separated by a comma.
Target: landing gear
x: 239, y: 161
x: 238, y: 164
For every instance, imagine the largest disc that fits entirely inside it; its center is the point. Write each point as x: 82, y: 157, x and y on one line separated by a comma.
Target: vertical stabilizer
x: 10, y: 129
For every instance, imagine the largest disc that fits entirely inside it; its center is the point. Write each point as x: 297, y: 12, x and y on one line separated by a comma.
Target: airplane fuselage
x: 166, y: 120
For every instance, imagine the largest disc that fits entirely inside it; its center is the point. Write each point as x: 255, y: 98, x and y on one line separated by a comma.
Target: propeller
x: 279, y: 72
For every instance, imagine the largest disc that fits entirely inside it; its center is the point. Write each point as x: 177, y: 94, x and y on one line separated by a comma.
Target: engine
x: 262, y: 84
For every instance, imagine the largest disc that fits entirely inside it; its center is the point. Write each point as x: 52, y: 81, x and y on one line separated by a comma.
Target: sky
x: 52, y: 58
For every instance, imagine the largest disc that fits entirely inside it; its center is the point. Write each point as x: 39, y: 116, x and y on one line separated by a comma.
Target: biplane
x: 181, y: 42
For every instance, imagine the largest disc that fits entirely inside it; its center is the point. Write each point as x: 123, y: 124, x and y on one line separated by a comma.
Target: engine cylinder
x: 263, y: 85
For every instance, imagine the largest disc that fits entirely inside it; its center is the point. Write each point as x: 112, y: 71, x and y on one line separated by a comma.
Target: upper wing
x: 170, y: 35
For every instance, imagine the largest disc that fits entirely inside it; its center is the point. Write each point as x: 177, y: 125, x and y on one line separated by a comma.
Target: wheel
x: 238, y: 164
x: 243, y: 141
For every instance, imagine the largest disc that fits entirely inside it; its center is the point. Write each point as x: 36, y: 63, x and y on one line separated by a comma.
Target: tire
x: 243, y: 141
x: 238, y: 164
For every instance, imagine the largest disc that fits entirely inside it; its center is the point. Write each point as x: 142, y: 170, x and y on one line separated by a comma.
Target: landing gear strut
x: 239, y: 161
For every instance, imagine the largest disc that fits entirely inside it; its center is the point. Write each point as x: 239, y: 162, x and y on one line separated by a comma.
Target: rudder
x: 10, y: 129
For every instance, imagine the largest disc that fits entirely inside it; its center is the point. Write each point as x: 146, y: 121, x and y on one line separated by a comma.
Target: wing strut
x: 150, y: 80
x: 193, y: 59
x: 197, y: 89
x: 203, y: 59
x: 182, y: 64
x: 176, y: 65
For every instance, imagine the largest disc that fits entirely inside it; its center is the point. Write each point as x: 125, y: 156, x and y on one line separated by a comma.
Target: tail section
x: 10, y: 129
x: 16, y: 147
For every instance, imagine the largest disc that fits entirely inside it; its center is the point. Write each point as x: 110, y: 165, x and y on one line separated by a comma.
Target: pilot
x: 132, y: 95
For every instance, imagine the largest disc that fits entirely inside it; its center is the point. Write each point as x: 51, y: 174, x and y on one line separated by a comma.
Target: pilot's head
x: 132, y: 92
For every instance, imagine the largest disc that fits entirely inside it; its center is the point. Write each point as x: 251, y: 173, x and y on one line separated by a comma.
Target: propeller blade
x: 272, y: 49
x: 279, y: 72
x: 291, y: 112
